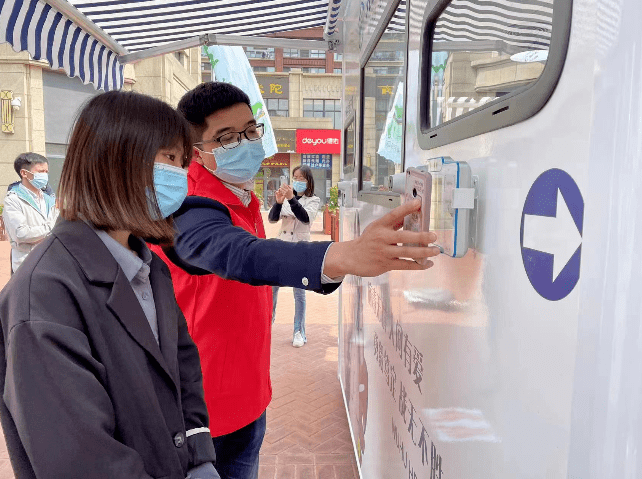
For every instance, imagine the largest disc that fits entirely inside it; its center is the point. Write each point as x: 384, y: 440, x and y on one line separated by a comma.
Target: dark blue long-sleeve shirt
x: 208, y: 242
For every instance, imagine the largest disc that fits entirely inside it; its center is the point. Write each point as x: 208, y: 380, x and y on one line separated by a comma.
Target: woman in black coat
x: 100, y: 376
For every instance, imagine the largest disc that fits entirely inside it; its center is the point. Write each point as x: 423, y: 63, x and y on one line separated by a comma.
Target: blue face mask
x: 40, y: 180
x: 300, y: 186
x: 170, y: 185
x: 239, y: 165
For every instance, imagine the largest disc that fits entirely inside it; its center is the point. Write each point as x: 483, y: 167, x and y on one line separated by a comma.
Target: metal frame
x: 508, y: 110
x: 216, y: 39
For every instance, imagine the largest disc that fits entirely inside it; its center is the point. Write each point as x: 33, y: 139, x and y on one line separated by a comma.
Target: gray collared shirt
x: 136, y: 269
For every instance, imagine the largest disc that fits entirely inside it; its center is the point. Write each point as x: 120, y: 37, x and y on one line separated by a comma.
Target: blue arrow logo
x: 551, y: 234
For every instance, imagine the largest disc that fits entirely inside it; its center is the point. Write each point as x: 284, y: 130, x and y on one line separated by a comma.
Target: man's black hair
x: 207, y: 98
x: 26, y: 161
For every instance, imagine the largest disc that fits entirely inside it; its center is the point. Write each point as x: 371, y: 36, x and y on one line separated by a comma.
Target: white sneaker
x: 298, y: 342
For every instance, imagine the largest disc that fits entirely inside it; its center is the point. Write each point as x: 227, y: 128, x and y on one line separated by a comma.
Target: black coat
x: 88, y: 392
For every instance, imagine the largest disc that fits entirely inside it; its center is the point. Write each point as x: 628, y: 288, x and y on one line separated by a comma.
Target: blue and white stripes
x: 141, y: 24
x: 334, y: 7
x: 36, y: 27
x: 525, y: 25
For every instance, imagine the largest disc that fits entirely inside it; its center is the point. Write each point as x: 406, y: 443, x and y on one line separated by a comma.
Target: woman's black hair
x: 306, y: 171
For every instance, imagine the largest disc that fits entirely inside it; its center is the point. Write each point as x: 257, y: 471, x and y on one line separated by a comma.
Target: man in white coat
x: 29, y: 213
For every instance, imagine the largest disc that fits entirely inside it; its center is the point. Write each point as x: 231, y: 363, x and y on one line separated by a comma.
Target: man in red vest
x: 222, y: 268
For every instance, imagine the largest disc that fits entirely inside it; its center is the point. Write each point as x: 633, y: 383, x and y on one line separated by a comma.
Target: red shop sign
x: 318, y: 141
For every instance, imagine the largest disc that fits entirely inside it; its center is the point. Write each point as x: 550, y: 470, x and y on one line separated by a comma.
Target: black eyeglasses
x: 232, y: 139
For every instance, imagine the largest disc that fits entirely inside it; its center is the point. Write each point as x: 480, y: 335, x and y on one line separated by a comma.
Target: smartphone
x: 283, y: 181
x: 418, y: 185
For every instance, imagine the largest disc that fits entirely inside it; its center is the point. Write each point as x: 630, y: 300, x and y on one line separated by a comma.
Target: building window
x: 180, y: 56
x: 386, y: 70
x: 296, y: 53
x: 256, y: 52
x: 323, y: 109
x: 278, y: 107
x: 387, y: 56
x: 312, y: 70
x: 315, y: 53
x: 263, y: 69
x: 338, y: 57
x: 206, y: 71
x: 337, y: 70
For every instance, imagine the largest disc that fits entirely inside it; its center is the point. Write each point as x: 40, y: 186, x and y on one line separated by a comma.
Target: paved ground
x: 308, y: 434
x: 307, y: 430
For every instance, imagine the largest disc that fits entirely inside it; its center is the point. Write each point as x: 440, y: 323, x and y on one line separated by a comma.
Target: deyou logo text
x: 320, y: 141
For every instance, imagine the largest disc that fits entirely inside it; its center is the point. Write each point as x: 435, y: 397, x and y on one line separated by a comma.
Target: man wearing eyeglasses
x: 222, y: 268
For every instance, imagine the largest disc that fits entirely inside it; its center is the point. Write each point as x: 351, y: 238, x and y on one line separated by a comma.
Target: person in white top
x: 29, y: 214
x: 297, y: 214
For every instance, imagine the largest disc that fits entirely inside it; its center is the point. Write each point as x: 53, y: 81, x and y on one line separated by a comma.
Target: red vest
x: 230, y: 322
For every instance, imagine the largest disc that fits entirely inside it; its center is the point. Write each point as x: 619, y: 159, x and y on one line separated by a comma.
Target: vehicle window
x: 383, y: 88
x: 485, y: 52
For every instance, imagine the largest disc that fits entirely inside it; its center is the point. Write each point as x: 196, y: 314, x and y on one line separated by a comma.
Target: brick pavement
x: 307, y: 430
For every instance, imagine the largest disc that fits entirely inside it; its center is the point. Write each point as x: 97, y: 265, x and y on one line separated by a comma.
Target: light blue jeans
x: 299, y: 309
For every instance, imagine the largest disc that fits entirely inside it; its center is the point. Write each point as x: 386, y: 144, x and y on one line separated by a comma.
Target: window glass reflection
x: 484, y: 50
x: 383, y: 105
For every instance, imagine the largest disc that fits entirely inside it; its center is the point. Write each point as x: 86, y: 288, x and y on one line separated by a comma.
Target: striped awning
x: 47, y: 34
x: 520, y: 25
x: 142, y: 24
x: 333, y: 17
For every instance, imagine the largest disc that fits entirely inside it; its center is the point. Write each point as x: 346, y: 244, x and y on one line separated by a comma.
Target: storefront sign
x: 318, y: 141
x: 286, y: 141
x: 317, y: 162
x: 274, y: 87
x: 279, y: 160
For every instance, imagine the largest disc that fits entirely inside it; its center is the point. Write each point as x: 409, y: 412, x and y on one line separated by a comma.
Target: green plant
x: 333, y: 202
